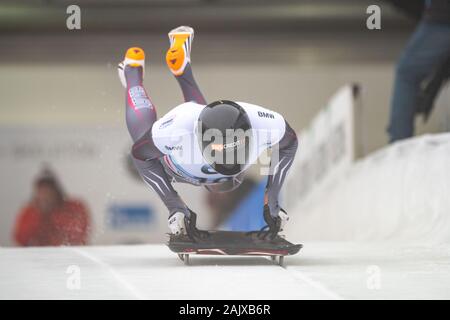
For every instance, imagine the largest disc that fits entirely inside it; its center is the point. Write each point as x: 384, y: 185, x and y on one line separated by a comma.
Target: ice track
x: 339, y: 270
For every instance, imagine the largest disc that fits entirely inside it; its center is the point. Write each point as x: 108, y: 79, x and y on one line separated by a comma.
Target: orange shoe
x: 134, y: 57
x: 179, y: 53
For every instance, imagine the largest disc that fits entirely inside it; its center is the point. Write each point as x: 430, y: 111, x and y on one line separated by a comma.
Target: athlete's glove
x: 179, y: 223
x: 176, y: 223
x: 274, y: 224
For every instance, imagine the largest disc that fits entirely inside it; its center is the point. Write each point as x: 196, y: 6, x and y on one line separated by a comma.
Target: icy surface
x: 337, y: 270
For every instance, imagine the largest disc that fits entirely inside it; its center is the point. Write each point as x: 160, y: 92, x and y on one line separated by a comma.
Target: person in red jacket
x: 50, y: 218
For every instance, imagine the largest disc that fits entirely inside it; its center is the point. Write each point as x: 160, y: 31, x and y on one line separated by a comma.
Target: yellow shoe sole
x: 135, y: 56
x: 176, y: 55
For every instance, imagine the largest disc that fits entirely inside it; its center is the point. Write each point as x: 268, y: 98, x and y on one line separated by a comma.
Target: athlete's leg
x: 140, y: 116
x: 178, y: 60
x: 191, y: 91
x: 140, y: 112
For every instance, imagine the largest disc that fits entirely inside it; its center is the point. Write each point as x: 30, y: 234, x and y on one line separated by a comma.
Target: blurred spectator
x: 426, y: 52
x: 51, y: 219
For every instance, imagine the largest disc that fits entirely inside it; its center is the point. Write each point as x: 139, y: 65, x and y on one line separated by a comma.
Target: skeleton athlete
x: 201, y: 143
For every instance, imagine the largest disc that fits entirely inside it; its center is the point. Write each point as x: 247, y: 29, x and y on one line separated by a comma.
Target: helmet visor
x: 227, y: 152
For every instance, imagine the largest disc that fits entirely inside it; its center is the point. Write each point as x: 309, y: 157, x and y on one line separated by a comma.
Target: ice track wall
x: 399, y: 193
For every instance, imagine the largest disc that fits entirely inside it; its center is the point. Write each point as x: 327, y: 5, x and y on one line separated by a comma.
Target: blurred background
x: 62, y: 105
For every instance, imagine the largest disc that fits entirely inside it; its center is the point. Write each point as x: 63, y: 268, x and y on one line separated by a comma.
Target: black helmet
x: 224, y: 136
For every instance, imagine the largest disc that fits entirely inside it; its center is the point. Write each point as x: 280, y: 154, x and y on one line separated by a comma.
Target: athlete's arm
x: 287, y: 147
x: 146, y: 160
